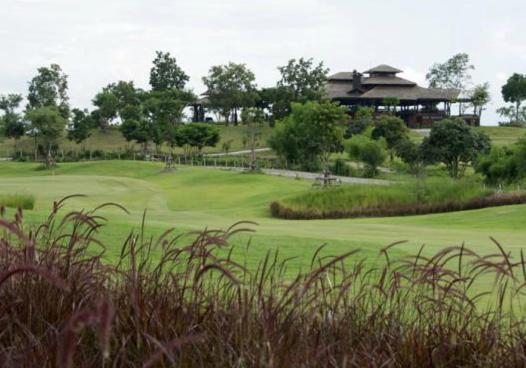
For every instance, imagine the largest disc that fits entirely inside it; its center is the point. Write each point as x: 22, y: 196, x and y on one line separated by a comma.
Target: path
x: 237, y: 153
x: 306, y: 175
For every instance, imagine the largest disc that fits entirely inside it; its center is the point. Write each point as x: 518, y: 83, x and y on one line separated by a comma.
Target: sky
x: 97, y: 42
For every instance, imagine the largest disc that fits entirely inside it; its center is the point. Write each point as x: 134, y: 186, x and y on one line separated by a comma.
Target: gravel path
x: 307, y: 175
x: 236, y: 153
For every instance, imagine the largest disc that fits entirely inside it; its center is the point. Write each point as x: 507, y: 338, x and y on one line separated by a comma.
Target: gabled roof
x: 383, y: 68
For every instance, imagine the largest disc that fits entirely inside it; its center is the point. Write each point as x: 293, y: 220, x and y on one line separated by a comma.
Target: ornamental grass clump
x: 171, y: 301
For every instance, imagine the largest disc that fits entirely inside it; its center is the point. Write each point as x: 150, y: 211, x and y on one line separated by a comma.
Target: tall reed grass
x: 407, y: 198
x: 24, y: 201
x: 61, y: 305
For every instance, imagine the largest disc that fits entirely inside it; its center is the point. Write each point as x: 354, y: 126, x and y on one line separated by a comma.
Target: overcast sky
x: 100, y: 41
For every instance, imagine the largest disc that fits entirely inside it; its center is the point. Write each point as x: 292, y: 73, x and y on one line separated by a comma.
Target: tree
x: 136, y: 130
x: 107, y: 109
x: 514, y: 91
x: 510, y: 114
x: 121, y: 100
x: 10, y: 103
x: 166, y: 74
x: 230, y: 87
x: 369, y: 151
x: 480, y: 97
x: 411, y: 154
x: 198, y: 136
x: 48, y: 124
x: 49, y: 89
x: 304, y: 78
x: 11, y: 121
x: 254, y: 119
x: 455, y: 144
x: 392, y: 129
x: 79, y: 129
x: 166, y: 107
x: 453, y: 74
x: 276, y: 100
x: 310, y: 134
x: 363, y: 119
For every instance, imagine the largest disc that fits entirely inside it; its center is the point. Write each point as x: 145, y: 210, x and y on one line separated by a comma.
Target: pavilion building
x: 382, y: 88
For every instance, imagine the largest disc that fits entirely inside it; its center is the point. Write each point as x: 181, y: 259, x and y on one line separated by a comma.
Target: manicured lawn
x: 195, y: 198
x: 504, y: 135
x: 112, y: 140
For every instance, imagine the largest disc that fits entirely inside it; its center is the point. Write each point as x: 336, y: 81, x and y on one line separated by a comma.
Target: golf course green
x: 192, y: 198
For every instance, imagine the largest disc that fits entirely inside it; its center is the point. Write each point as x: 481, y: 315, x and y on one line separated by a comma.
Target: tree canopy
x: 310, y: 133
x: 166, y: 74
x: 454, y: 73
x: 197, y: 135
x: 304, y: 78
x: 455, y: 144
x: 514, y: 91
x: 49, y: 89
x: 480, y: 97
x: 79, y: 128
x: 230, y: 87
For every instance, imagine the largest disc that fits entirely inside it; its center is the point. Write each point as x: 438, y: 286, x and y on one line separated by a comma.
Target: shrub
x: 363, y: 119
x: 341, y: 168
x: 23, y: 201
x: 504, y: 164
x: 368, y: 151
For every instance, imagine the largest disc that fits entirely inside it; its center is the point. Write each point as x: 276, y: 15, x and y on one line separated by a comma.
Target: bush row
x: 279, y: 210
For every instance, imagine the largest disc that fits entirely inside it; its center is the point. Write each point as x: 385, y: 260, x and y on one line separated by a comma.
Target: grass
x: 503, y: 136
x: 24, y: 201
x: 112, y: 140
x: 189, y: 301
x: 407, y: 198
x: 196, y: 198
x: 430, y: 191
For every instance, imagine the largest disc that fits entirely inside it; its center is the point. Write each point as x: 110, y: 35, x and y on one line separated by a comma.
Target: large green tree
x: 455, y: 144
x: 275, y: 100
x: 393, y: 129
x: 480, y: 97
x: 197, y: 136
x: 454, y: 73
x: 49, y: 88
x: 48, y: 124
x: 310, y: 134
x: 166, y: 74
x: 514, y: 91
x: 79, y: 128
x: 305, y: 78
x: 11, y: 123
x: 230, y: 88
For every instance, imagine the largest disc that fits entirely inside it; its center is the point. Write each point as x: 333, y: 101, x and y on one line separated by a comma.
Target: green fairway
x: 113, y: 141
x: 195, y: 198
